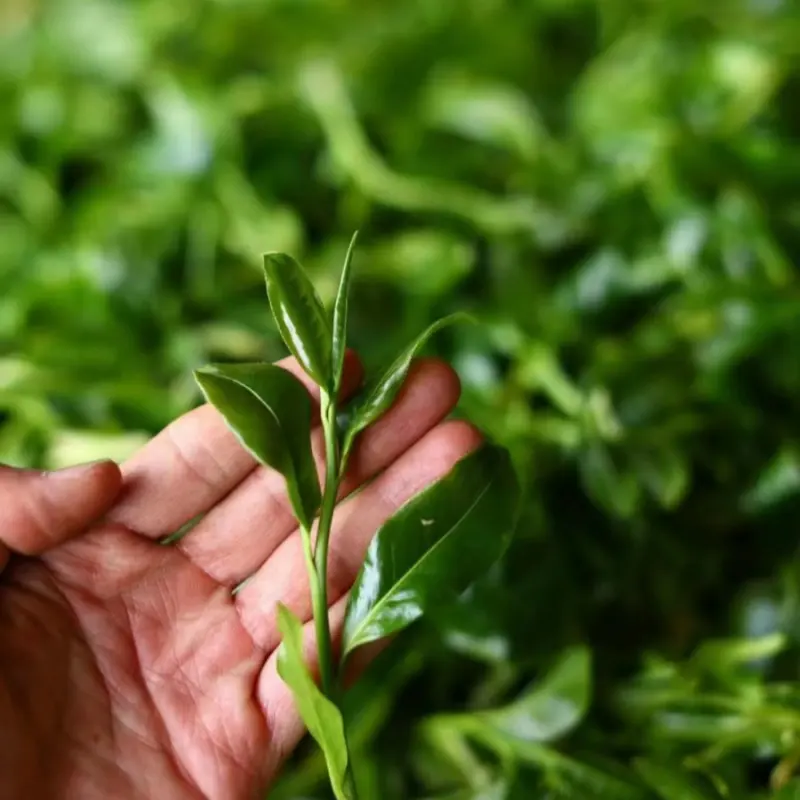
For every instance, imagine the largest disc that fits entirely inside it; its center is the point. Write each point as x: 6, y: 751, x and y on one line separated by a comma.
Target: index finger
x: 193, y: 463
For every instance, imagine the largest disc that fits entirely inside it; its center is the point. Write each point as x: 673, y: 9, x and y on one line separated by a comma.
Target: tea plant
x: 429, y: 552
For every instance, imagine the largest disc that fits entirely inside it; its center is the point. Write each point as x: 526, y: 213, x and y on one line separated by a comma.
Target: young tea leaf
x: 269, y: 411
x: 552, y: 707
x: 339, y: 341
x: 322, y: 718
x: 300, y: 316
x: 434, y: 547
x: 379, y: 397
x: 600, y: 781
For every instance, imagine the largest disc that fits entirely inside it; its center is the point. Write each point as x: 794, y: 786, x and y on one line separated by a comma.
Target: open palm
x: 130, y: 669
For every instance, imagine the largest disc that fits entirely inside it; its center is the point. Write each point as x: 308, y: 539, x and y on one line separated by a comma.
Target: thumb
x: 40, y: 510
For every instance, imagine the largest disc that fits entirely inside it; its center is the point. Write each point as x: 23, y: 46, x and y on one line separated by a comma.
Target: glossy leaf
x: 269, y: 411
x: 322, y: 718
x: 549, y: 709
x: 670, y: 782
x: 339, y: 341
x: 380, y: 395
x: 300, y: 315
x: 434, y: 547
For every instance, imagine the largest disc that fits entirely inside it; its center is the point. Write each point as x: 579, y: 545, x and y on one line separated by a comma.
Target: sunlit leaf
x: 434, y: 547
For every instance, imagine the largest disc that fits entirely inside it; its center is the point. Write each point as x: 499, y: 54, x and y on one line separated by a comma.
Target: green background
x: 610, y: 186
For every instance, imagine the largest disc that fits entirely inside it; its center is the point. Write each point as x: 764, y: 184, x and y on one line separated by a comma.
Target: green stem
x: 319, y: 604
x: 321, y: 548
x: 318, y: 562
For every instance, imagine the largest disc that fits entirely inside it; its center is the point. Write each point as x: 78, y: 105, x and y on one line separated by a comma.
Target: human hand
x: 128, y: 668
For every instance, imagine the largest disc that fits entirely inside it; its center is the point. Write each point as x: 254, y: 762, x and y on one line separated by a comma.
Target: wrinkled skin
x: 129, y: 668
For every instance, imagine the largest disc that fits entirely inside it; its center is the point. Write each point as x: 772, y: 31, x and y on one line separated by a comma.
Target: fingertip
x: 353, y: 372
x: 87, y: 490
x: 438, y: 376
x: 103, y: 478
x: 107, y: 476
x: 457, y: 438
x: 40, y: 510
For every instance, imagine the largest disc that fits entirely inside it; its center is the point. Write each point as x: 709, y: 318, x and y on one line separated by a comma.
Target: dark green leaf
x: 671, y: 782
x: 322, y: 718
x: 269, y: 410
x: 379, y: 397
x: 339, y: 342
x: 551, y: 708
x: 434, y: 546
x: 300, y: 316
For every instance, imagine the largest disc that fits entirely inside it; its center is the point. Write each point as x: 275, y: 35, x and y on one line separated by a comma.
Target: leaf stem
x: 318, y: 561
x: 329, y: 496
x: 319, y: 604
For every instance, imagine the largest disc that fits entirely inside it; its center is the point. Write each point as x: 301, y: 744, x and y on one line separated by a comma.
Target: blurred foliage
x: 609, y: 185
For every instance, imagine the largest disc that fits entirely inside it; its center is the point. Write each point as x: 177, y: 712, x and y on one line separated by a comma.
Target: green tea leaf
x: 300, y: 316
x: 596, y: 781
x: 322, y: 718
x: 434, y: 547
x: 670, y: 782
x: 381, y: 394
x: 601, y: 781
x: 550, y: 708
x: 339, y: 342
x: 269, y: 411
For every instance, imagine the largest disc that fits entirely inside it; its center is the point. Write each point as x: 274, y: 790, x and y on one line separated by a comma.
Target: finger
x: 283, y: 578
x: 40, y: 510
x: 193, y: 463
x: 257, y: 515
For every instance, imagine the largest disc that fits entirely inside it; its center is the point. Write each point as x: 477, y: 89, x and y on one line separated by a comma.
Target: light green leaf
x: 269, y: 411
x: 721, y: 656
x: 550, y: 708
x: 322, y: 718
